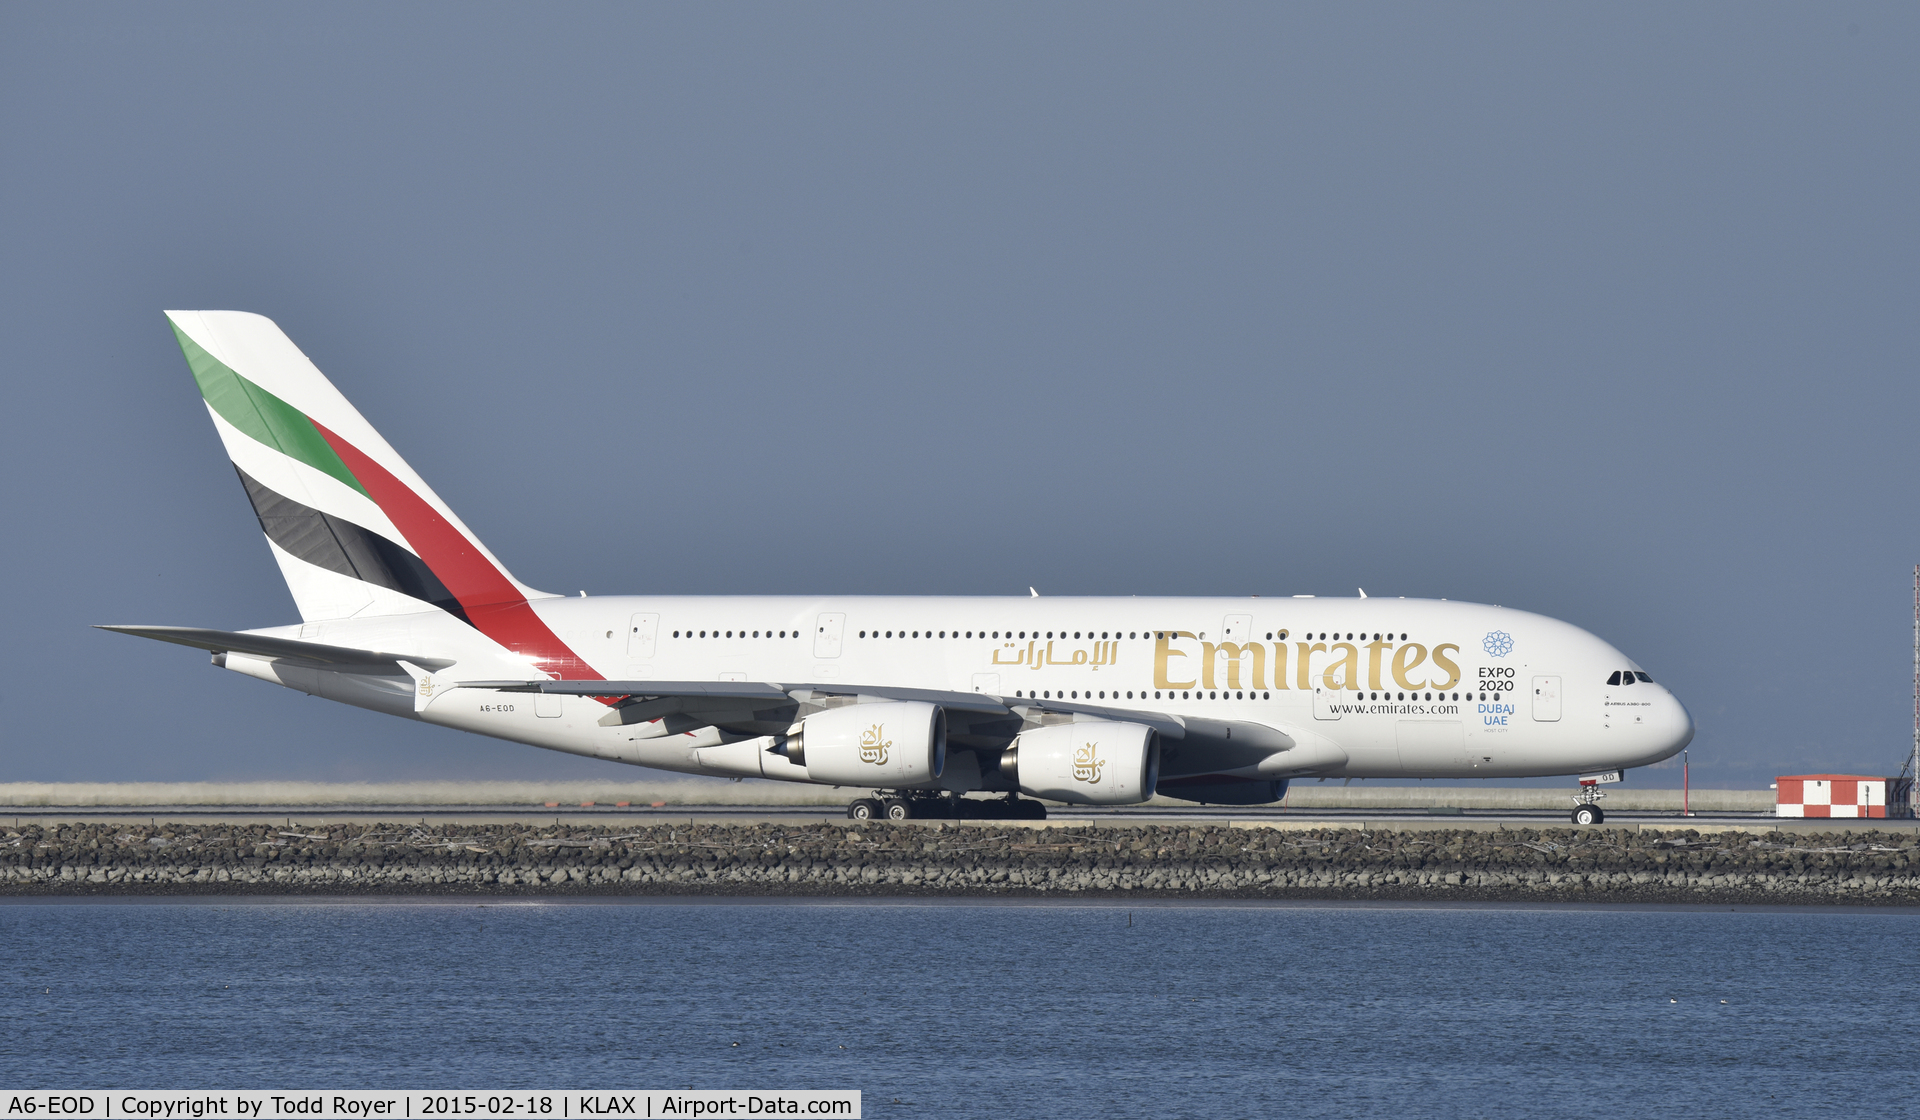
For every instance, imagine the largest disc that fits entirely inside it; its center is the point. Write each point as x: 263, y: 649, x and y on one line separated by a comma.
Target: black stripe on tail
x: 341, y: 546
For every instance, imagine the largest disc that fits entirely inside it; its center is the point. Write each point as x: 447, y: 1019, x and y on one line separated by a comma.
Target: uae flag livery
x: 356, y: 532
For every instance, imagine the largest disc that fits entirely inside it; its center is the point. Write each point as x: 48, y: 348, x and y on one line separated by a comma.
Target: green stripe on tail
x: 262, y: 415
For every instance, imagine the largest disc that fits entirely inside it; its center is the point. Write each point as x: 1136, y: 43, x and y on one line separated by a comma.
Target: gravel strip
x: 1149, y: 861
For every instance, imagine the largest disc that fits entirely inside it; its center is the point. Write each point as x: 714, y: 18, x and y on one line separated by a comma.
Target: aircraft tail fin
x: 356, y: 532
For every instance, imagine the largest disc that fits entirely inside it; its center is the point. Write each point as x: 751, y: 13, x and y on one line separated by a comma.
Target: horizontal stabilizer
x: 260, y: 645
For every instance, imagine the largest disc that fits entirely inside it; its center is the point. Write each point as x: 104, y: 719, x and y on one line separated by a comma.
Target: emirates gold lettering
x: 1406, y: 660
x: 1258, y: 654
x: 1348, y: 667
x: 1087, y: 764
x: 1305, y: 674
x: 1233, y: 652
x: 1163, y: 652
x: 1373, y: 662
x: 1246, y: 665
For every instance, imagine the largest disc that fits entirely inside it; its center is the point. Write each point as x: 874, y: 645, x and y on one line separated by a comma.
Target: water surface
x: 984, y: 1010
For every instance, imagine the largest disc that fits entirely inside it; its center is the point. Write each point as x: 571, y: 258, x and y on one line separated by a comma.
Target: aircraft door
x: 827, y: 630
x: 1236, y: 628
x: 1324, y: 699
x: 1546, y: 699
x: 641, y: 630
x: 987, y: 683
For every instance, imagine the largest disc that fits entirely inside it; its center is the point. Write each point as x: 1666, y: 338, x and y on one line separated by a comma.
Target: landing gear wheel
x: 1030, y: 811
x: 865, y: 809
x: 1588, y: 814
x: 898, y: 810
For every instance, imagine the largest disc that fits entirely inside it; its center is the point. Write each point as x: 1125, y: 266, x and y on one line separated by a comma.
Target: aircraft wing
x: 1169, y: 726
x: 337, y: 658
x: 1191, y: 745
x: 732, y: 690
x: 742, y: 691
x: 734, y: 704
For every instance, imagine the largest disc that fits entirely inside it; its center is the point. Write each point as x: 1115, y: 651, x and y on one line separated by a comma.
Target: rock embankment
x: 1152, y: 861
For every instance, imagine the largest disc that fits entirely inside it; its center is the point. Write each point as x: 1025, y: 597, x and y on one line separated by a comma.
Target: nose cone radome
x: 1672, y: 728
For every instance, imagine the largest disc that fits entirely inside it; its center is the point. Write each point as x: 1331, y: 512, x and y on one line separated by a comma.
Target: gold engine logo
x: 873, y: 748
x: 1087, y: 764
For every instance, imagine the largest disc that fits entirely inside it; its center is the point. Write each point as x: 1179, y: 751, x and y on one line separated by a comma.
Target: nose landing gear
x: 1586, y: 803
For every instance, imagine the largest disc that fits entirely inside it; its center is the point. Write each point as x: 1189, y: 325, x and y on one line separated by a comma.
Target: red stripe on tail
x: 496, y: 607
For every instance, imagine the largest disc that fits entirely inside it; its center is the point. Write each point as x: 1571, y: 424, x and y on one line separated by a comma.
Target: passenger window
x: 1615, y: 678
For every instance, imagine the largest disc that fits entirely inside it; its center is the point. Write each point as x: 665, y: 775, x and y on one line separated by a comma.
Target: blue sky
x: 1606, y: 312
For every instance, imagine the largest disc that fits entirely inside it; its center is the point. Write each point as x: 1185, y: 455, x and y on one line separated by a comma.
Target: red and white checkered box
x: 1831, y: 795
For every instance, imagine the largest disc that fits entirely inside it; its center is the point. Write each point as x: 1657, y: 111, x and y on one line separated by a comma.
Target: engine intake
x: 898, y: 743
x: 1097, y: 762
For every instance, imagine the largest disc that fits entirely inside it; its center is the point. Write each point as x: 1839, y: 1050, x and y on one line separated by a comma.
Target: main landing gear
x: 907, y: 806
x: 888, y: 808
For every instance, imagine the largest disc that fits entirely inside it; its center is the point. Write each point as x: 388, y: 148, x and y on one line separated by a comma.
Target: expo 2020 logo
x: 1498, y: 643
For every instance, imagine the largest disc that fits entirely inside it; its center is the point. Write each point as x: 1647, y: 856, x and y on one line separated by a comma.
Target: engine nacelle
x: 899, y: 743
x: 1099, y: 762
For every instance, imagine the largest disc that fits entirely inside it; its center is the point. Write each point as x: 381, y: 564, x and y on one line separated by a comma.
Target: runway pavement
x: 607, y: 815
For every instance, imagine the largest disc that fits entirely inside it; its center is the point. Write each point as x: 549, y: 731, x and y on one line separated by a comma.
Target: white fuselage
x: 1397, y: 688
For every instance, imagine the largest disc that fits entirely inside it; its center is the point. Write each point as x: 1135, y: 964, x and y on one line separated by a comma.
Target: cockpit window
x: 1643, y: 677
x: 1615, y: 678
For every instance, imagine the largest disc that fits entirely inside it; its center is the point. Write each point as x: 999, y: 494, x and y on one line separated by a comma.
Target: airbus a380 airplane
x: 1085, y: 701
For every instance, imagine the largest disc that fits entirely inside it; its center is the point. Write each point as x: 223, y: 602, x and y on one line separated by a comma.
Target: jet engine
x: 899, y: 743
x: 1098, y: 762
